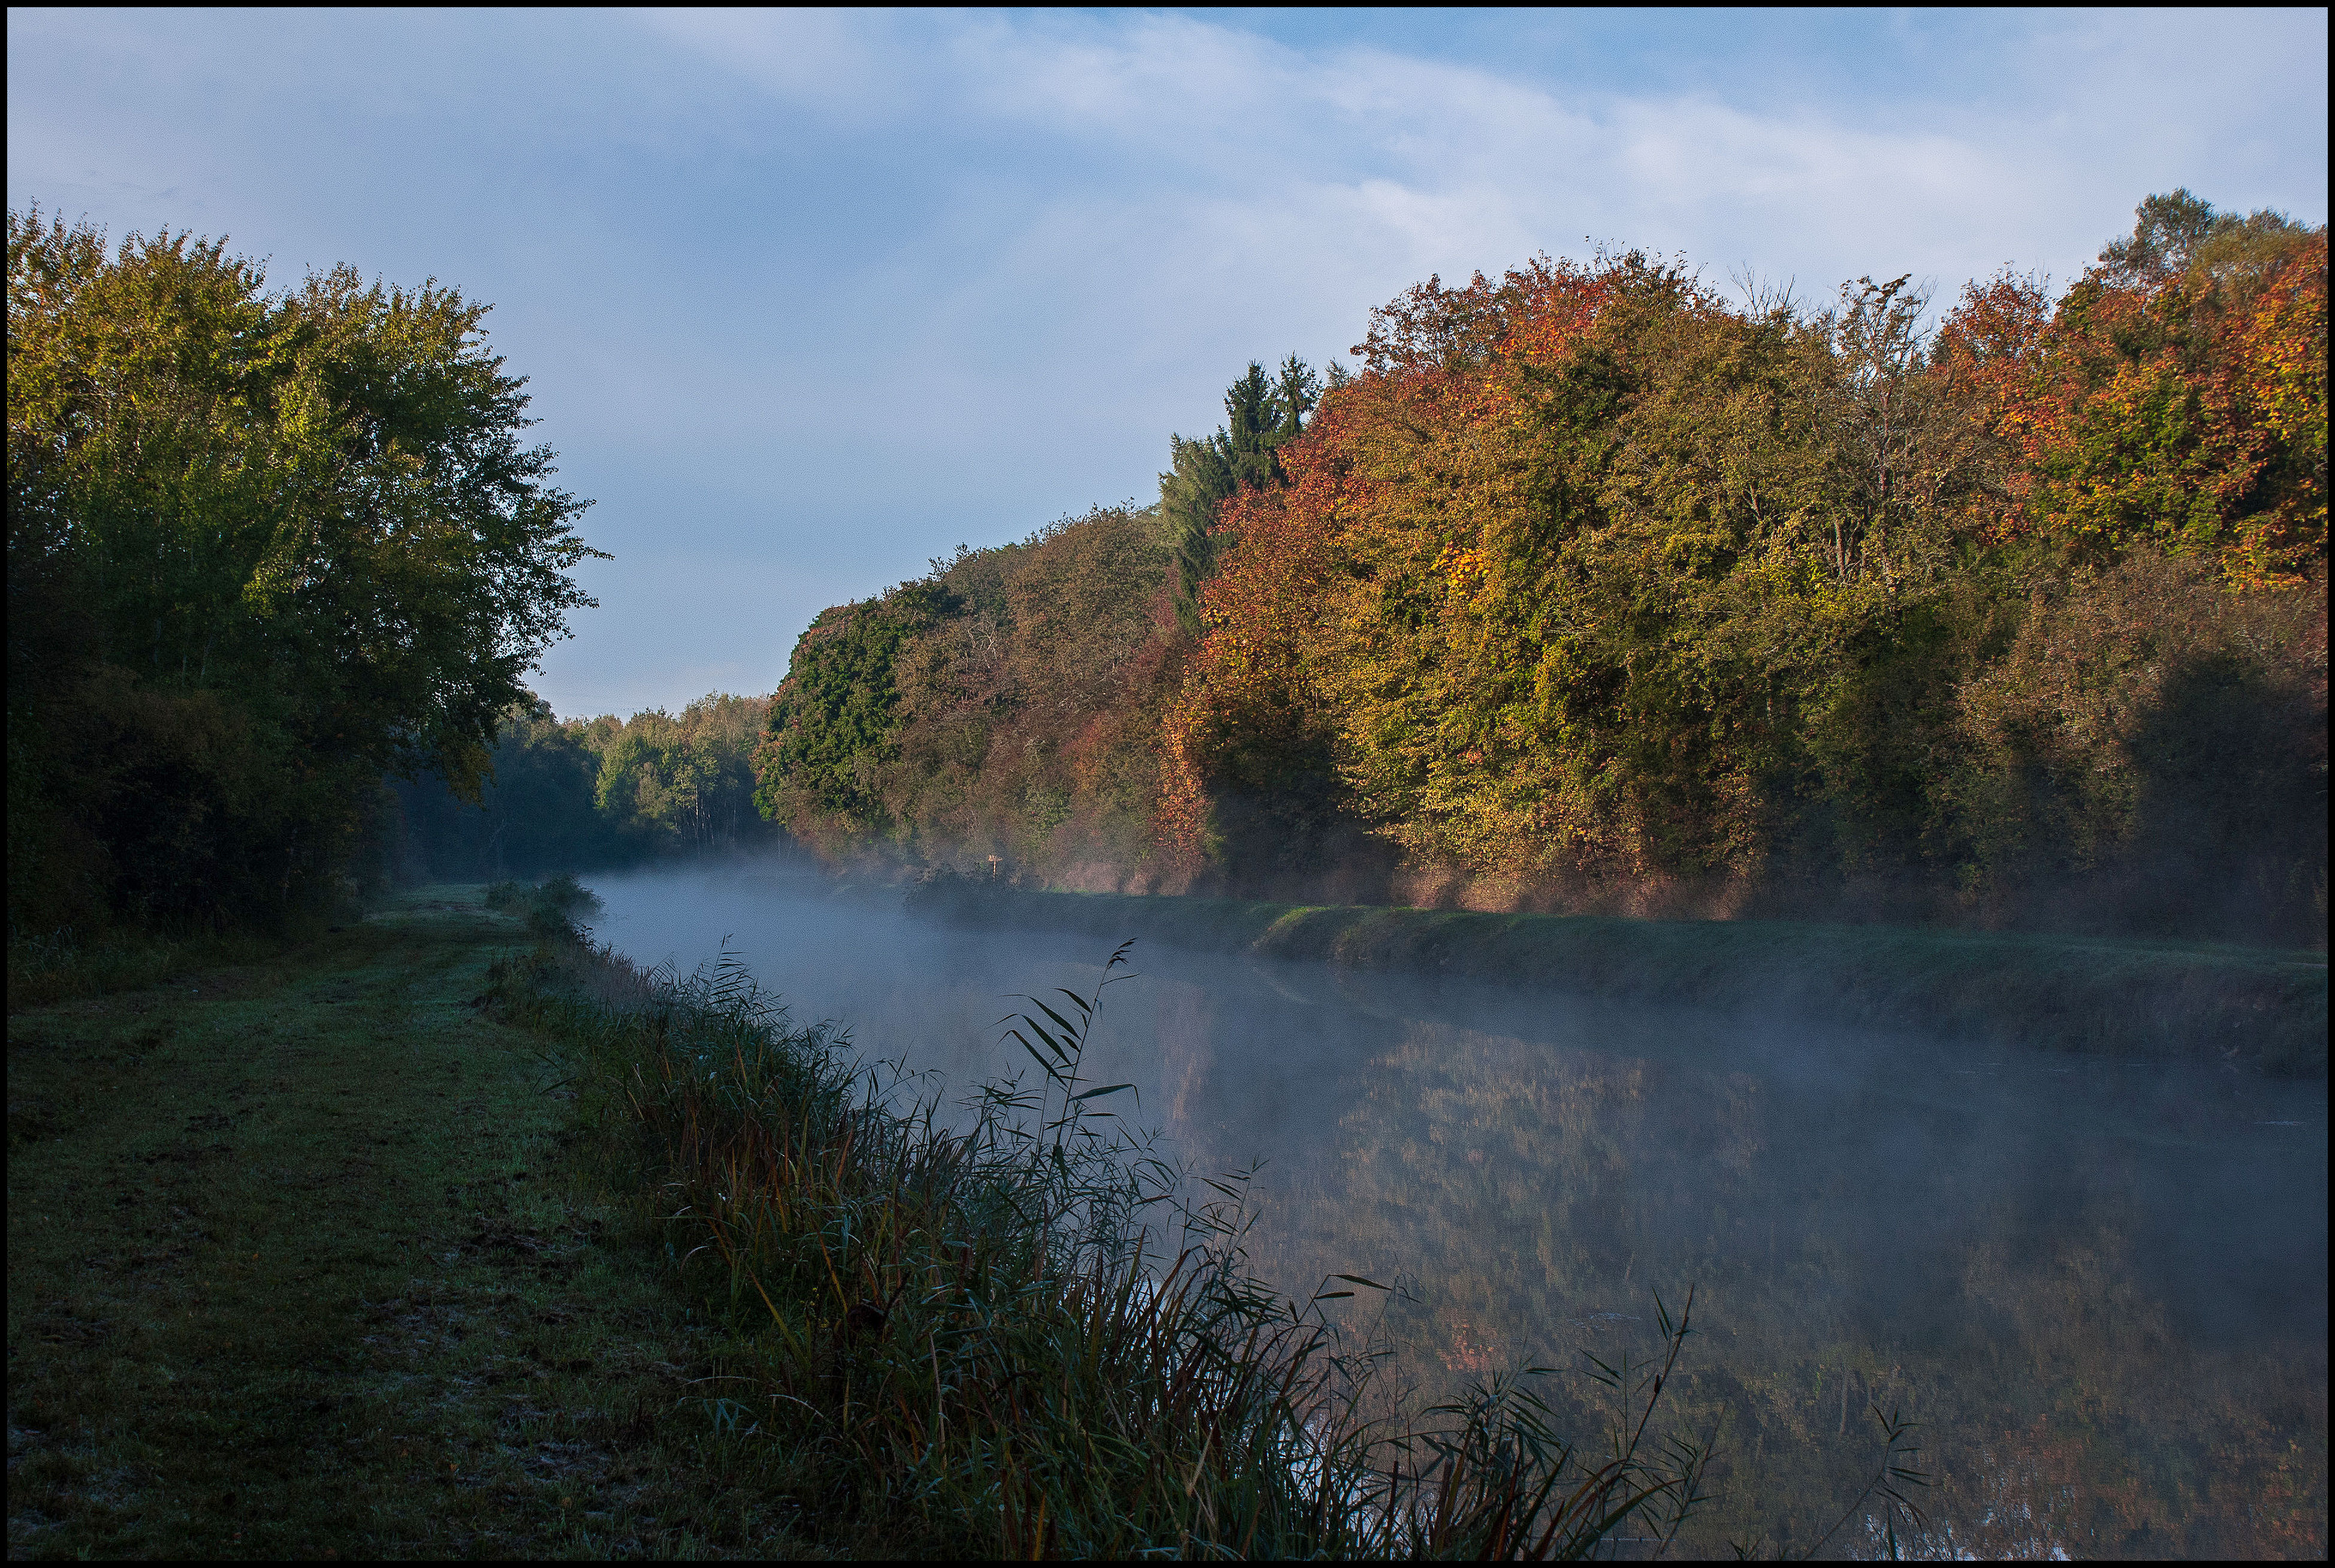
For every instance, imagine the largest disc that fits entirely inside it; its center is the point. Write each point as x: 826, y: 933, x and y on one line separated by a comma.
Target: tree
x: 1262, y: 415
x: 535, y: 811
x: 270, y: 546
x: 1592, y: 589
x: 2175, y: 399
x: 2167, y: 232
x: 685, y: 782
x: 1005, y: 704
x: 835, y: 720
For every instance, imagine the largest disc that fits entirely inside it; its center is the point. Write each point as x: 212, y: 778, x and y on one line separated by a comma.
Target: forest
x: 1593, y: 588
x: 589, y: 792
x: 1589, y: 588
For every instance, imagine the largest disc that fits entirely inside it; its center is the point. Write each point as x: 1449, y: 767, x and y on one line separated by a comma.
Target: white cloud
x: 1365, y: 170
x: 838, y: 63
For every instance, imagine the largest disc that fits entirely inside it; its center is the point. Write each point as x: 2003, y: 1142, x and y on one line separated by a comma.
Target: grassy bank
x: 298, y: 1267
x: 2266, y: 1008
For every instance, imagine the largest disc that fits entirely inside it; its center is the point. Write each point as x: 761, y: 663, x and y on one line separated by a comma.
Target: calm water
x: 2100, y: 1286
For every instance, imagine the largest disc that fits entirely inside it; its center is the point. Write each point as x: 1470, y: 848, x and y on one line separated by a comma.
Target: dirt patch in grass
x: 297, y: 1267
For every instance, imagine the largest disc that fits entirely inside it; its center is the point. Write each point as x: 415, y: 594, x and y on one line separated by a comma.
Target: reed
x: 1021, y: 1330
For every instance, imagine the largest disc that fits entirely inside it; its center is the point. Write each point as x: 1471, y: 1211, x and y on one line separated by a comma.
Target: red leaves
x: 2189, y: 413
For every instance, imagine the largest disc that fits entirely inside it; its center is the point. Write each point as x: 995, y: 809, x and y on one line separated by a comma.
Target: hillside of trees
x: 1591, y: 588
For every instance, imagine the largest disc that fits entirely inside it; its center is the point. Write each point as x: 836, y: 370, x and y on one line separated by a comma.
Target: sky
x: 805, y: 299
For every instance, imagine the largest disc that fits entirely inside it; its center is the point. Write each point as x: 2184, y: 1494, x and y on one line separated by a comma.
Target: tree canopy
x: 1262, y: 414
x: 263, y: 548
x: 1593, y: 588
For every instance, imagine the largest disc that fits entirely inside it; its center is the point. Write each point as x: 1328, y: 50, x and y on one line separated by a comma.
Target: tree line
x: 278, y: 563
x: 1588, y: 587
x: 580, y: 793
x: 1593, y: 588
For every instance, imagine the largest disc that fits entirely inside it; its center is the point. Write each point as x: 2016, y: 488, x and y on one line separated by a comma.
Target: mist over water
x: 2100, y: 1285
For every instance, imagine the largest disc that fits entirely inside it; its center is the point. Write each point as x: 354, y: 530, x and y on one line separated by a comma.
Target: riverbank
x: 1020, y: 1333
x: 445, y: 1235
x: 299, y: 1267
x: 2265, y: 1009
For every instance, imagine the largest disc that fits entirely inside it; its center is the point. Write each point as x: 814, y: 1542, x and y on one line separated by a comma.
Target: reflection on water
x: 2100, y: 1286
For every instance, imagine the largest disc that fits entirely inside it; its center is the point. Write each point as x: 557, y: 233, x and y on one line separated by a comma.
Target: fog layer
x: 2100, y: 1285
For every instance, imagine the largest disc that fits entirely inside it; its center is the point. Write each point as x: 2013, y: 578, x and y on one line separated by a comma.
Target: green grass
x: 2266, y: 1008
x: 56, y: 968
x: 297, y: 1267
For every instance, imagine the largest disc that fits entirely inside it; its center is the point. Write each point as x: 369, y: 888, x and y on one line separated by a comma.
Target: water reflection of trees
x: 1532, y: 1194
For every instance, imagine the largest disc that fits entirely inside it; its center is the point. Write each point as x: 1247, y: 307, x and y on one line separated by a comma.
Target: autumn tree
x: 2175, y: 398
x: 1016, y: 712
x: 1594, y: 587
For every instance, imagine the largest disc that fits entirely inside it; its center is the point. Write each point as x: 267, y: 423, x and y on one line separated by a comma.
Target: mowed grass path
x: 297, y: 1267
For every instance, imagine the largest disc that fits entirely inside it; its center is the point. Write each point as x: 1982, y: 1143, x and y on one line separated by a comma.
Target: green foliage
x: 534, y: 811
x: 1262, y: 414
x: 576, y: 794
x: 2160, y: 741
x: 262, y: 549
x: 685, y: 782
x: 2168, y: 231
x: 2183, y: 233
x: 1004, y: 705
x: 833, y: 722
x: 2174, y: 399
x: 548, y: 907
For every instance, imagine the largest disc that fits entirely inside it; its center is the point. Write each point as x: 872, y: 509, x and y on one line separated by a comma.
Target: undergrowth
x: 1012, y: 1331
x: 64, y: 965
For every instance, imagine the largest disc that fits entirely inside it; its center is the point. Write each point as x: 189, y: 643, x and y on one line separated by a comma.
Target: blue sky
x: 806, y: 298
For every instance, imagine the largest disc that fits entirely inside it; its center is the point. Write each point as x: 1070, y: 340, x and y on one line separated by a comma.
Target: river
x: 2098, y: 1286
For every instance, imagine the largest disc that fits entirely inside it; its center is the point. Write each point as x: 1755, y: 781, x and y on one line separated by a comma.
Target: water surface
x: 2100, y: 1286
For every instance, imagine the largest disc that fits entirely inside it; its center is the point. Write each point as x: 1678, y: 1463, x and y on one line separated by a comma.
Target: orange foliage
x: 1245, y: 702
x: 1431, y: 425
x: 2189, y: 413
x: 1604, y: 593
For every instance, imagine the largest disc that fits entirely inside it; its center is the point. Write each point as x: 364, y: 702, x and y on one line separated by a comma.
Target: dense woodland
x: 1594, y: 588
x: 571, y: 793
x: 1590, y: 587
